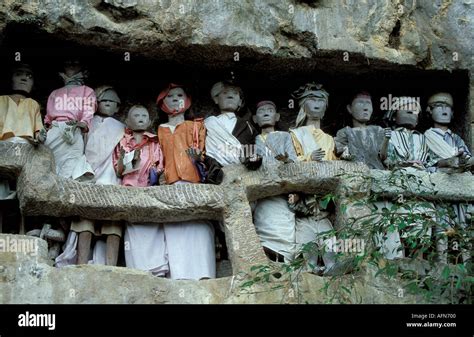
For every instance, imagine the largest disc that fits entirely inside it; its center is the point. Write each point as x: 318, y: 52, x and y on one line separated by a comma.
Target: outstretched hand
x: 195, y: 154
x: 467, y: 164
x: 40, y: 136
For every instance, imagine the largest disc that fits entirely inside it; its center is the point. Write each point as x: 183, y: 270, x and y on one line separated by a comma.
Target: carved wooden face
x: 407, y: 117
x: 108, y: 108
x: 138, y: 119
x: 22, y: 79
x: 266, y: 116
x: 315, y: 107
x: 441, y: 112
x: 175, y: 99
x: 229, y: 99
x: 72, y: 67
x: 361, y: 109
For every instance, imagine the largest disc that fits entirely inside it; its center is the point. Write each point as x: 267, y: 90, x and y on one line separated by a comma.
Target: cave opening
x: 140, y: 79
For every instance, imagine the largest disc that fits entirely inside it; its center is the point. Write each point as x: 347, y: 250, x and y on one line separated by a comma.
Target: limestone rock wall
x: 422, y: 33
x: 27, y: 277
x: 41, y: 192
x: 278, y: 37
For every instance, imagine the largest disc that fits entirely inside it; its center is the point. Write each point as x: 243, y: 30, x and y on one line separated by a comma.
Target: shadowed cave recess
x: 139, y: 79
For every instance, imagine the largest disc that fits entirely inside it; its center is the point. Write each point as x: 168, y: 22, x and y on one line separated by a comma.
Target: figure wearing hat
x: 104, y: 134
x: 312, y: 144
x: 447, y: 149
x: 273, y: 219
x: 450, y: 155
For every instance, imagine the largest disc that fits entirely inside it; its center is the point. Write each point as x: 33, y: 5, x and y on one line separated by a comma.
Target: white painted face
x: 361, y: 109
x: 229, y: 99
x: 108, y: 108
x: 175, y: 99
x: 315, y: 107
x: 441, y: 112
x: 138, y: 119
x: 266, y: 115
x: 22, y: 79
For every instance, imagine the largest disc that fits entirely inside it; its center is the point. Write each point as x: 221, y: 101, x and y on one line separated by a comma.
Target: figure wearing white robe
x: 221, y: 144
x: 104, y: 135
x: 274, y: 220
x: 190, y: 248
x: 69, y: 158
x: 145, y: 248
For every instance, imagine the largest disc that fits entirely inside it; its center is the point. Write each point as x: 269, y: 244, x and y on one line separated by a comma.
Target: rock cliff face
x: 278, y: 38
x: 28, y: 278
x: 418, y: 33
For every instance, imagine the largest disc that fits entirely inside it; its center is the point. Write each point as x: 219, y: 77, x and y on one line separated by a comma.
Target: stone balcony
x: 30, y: 278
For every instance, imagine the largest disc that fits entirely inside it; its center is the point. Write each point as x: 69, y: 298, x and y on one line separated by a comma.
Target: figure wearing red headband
x: 183, y: 144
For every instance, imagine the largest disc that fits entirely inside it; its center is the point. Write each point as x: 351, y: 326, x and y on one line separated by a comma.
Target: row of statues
x: 91, y: 145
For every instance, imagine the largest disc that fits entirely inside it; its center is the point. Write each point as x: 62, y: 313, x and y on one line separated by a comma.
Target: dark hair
x: 361, y: 92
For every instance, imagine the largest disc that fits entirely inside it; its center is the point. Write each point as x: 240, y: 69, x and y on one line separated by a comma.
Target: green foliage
x: 414, y: 213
